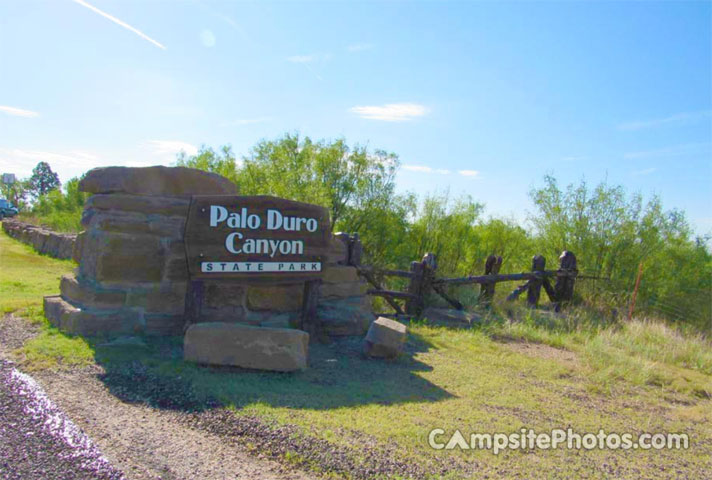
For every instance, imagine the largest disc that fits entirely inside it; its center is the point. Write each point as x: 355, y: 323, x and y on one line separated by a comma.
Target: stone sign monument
x: 258, y: 262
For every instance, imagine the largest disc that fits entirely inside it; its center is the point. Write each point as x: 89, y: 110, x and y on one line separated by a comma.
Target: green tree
x: 43, y: 180
x: 323, y: 172
x: 15, y: 193
x: 60, y: 210
x: 612, y: 234
x: 356, y: 185
x: 222, y: 162
x: 446, y: 229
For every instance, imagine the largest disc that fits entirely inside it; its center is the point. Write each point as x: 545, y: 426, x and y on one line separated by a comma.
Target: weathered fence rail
x: 423, y: 281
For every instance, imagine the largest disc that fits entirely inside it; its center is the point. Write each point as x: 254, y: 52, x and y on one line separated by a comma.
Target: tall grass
x: 642, y: 352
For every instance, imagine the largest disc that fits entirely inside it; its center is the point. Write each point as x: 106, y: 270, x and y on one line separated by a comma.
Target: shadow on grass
x: 338, y: 376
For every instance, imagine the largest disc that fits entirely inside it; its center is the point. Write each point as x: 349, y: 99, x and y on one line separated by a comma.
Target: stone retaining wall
x: 57, y: 245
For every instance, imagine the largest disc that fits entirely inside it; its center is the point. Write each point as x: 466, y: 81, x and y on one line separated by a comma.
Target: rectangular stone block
x: 155, y: 180
x: 276, y: 349
x: 164, y: 325
x: 343, y: 290
x: 166, y: 299
x: 337, y: 254
x: 128, y: 269
x: 385, y: 338
x: 97, y: 324
x: 340, y: 274
x: 220, y: 294
x: 225, y: 314
x: 138, y: 223
x: 345, y: 316
x: 162, y: 205
x: 120, y: 259
x: 176, y: 268
x: 280, y: 298
x: 88, y: 296
x: 66, y: 247
x: 132, y: 244
x: 51, y: 245
x: 76, y: 321
x: 55, y: 307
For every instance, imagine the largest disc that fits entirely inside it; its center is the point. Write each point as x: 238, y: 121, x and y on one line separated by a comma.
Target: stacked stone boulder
x: 344, y: 308
x: 47, y: 242
x: 133, y: 276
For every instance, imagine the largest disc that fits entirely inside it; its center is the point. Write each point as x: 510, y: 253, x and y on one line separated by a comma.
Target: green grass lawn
x: 25, y: 276
x: 506, y: 375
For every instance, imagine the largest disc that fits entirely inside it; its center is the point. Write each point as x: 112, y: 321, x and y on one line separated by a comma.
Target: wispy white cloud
x: 311, y: 58
x: 645, y: 171
x: 18, y: 112
x: 468, y: 173
x: 246, y: 121
x: 36, y: 156
x: 171, y: 147
x: 417, y: 168
x: 70, y: 163
x: 425, y: 169
x: 359, y: 47
x: 120, y: 23
x: 675, y: 151
x: 67, y: 164
x: 391, y: 112
x: 678, y: 118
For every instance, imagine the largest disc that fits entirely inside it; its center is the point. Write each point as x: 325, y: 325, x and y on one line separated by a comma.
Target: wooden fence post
x: 566, y: 278
x: 430, y: 266
x: 534, y: 290
x: 411, y: 304
x: 492, y: 266
x: 635, y: 291
x: 421, y: 282
x: 355, y: 250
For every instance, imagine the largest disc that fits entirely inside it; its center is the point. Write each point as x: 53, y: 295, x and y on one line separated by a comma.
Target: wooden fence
x: 423, y: 281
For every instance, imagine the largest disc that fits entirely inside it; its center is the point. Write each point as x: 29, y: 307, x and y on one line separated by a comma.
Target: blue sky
x: 475, y: 97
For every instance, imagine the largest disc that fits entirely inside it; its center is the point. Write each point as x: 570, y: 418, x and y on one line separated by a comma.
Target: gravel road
x: 37, y: 441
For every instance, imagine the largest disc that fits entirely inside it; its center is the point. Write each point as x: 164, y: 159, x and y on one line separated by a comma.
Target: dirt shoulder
x: 141, y: 441
x: 148, y: 443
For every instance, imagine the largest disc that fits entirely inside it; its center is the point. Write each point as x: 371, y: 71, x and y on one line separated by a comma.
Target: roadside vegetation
x: 357, y: 418
x: 610, y: 230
